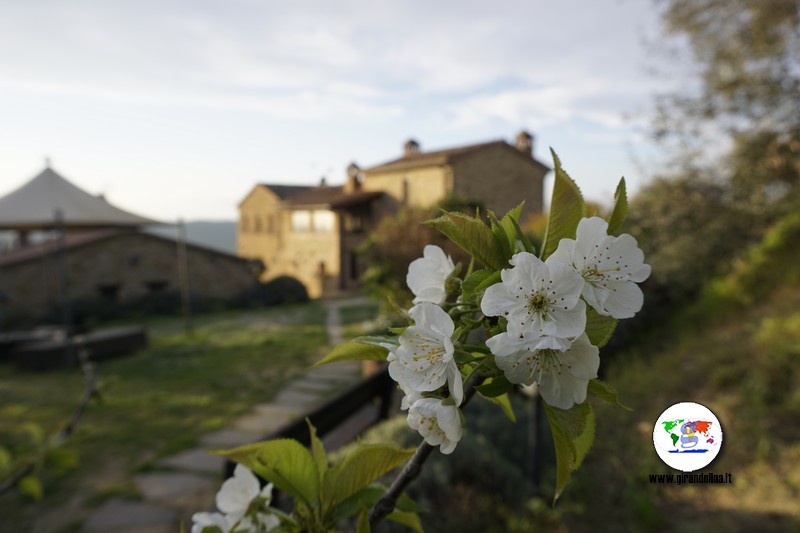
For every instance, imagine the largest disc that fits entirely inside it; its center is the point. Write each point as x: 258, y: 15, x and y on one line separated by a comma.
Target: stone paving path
x: 188, y: 481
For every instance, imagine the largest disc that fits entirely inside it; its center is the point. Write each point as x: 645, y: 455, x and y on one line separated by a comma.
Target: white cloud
x: 351, y: 78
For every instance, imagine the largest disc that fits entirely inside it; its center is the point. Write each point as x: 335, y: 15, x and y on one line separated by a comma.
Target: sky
x: 176, y: 109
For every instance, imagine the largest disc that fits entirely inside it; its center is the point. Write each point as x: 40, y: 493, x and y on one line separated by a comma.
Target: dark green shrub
x: 482, y: 485
x: 282, y: 290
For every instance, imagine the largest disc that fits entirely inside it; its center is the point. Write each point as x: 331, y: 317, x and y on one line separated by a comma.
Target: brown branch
x: 89, y: 392
x: 411, y: 470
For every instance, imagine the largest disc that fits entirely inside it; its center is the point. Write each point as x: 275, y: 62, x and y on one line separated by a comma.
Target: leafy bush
x: 481, y: 486
x: 282, y: 290
x: 392, y: 245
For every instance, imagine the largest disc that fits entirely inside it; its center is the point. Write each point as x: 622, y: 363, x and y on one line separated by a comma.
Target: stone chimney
x: 353, y: 182
x: 525, y: 143
x: 410, y: 147
x: 323, y: 182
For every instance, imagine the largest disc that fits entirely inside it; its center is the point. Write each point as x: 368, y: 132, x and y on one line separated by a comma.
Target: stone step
x: 123, y: 516
x: 195, y: 460
x: 175, y: 488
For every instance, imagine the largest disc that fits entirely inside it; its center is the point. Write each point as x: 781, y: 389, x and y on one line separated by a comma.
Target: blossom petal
x: 563, y: 253
x: 237, y: 492
x: 497, y: 301
x: 427, y: 276
x: 591, y: 231
x: 204, y: 520
x: 624, y: 300
x: 432, y: 316
x: 562, y: 390
x: 455, y: 383
x: 582, y: 358
x: 437, y: 422
x: 570, y: 322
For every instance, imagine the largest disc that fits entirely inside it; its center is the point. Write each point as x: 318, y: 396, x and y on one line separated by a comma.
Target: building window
x: 109, y: 291
x: 257, y: 227
x: 356, y: 222
x: 243, y: 224
x: 405, y: 193
x: 270, y: 223
x: 156, y: 286
x: 353, y: 266
x: 301, y: 221
x: 324, y: 221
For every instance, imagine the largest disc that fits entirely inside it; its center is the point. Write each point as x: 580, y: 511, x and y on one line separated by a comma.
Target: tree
x: 747, y: 56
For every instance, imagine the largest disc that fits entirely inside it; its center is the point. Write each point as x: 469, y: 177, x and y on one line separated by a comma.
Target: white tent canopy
x: 34, y: 205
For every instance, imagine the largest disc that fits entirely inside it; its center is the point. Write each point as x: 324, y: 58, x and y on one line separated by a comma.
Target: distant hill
x: 216, y: 234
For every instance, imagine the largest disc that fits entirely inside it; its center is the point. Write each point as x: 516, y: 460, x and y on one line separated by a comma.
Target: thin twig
x: 89, y: 392
x: 411, y: 470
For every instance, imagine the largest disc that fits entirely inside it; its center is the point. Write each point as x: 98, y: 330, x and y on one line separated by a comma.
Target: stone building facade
x: 113, y: 265
x: 312, y: 232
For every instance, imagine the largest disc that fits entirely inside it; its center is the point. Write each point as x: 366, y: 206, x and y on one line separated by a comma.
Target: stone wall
x: 312, y: 256
x: 501, y: 179
x: 120, y: 268
x: 416, y: 187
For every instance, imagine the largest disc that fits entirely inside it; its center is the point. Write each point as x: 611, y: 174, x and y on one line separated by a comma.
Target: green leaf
x: 363, y: 522
x: 361, y: 467
x: 510, y: 224
x: 31, y: 486
x: 378, y: 340
x: 5, y: 458
x: 566, y: 210
x: 494, y: 387
x: 62, y: 457
x: 318, y: 451
x: 34, y: 431
x: 504, y: 403
x: 603, y: 390
x: 473, y: 236
x: 620, y: 209
x: 526, y: 242
x: 599, y: 328
x: 573, y: 434
x: 354, y: 351
x: 284, y: 462
x: 477, y: 283
x: 408, y: 519
x: 504, y: 241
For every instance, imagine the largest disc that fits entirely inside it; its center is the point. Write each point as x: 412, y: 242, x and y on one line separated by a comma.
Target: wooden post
x: 183, y: 278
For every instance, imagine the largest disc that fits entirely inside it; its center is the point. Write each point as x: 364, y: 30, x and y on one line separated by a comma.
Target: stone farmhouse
x: 104, y: 256
x: 115, y: 266
x: 312, y: 232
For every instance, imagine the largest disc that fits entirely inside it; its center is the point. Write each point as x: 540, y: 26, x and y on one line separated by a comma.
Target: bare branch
x: 411, y: 470
x: 89, y: 392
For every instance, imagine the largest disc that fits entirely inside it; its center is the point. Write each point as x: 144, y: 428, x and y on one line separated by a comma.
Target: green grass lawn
x: 158, y: 401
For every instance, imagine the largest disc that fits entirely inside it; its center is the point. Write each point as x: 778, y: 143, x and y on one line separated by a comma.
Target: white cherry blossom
x: 237, y: 492
x: 211, y: 520
x: 539, y: 299
x: 438, y: 422
x: 562, y: 375
x: 424, y: 360
x: 427, y: 275
x: 611, y: 267
x: 397, y: 373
